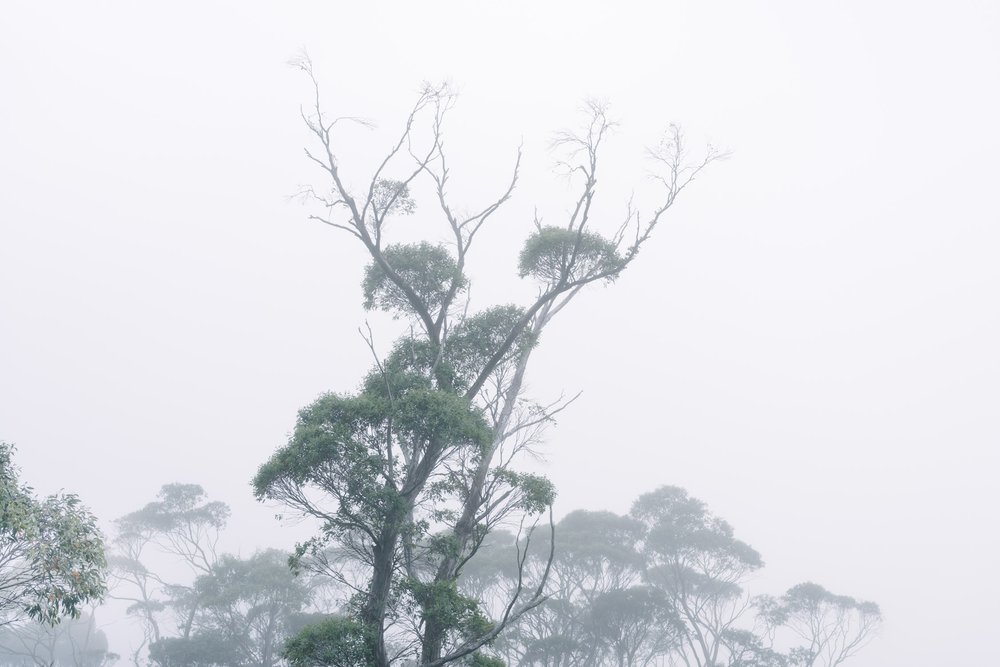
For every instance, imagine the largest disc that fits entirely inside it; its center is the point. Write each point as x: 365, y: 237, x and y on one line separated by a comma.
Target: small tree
x: 695, y: 559
x: 245, y: 608
x: 411, y: 473
x: 183, y: 525
x: 833, y: 627
x: 595, y: 604
x: 51, y: 552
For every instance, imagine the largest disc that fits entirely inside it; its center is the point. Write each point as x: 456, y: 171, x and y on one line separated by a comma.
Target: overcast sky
x: 810, y: 344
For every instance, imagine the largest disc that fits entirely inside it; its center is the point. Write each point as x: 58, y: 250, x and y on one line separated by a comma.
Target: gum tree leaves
x: 428, y: 270
x: 361, y: 450
x: 52, y: 559
x: 477, y: 337
x: 554, y: 254
x: 390, y: 197
x: 334, y: 642
x: 334, y: 448
x: 339, y: 441
x: 415, y: 362
x: 443, y: 604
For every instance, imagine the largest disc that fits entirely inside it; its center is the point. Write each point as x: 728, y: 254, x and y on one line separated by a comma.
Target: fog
x: 807, y: 343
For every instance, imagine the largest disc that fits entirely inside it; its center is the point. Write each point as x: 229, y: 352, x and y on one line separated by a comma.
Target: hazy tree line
x: 663, y: 585
x: 435, y: 544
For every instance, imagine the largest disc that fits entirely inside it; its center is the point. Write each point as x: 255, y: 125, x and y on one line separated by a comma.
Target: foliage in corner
x: 52, y: 559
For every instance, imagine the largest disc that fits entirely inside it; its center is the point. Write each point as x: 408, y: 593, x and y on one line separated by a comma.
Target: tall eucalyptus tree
x: 411, y: 473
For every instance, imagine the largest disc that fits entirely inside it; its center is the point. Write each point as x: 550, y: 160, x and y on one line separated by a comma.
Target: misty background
x: 808, y: 344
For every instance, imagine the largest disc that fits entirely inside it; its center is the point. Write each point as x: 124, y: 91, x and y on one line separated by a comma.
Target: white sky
x: 810, y: 345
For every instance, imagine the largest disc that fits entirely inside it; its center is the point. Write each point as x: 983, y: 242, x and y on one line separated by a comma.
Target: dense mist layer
x: 805, y: 342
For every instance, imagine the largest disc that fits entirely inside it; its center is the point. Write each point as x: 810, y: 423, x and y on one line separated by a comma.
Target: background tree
x: 74, y: 642
x: 51, y: 551
x: 178, y: 531
x: 409, y: 475
x: 198, y: 607
x: 245, y: 610
x: 595, y: 595
x: 694, y: 558
x: 833, y: 627
x: 634, y: 626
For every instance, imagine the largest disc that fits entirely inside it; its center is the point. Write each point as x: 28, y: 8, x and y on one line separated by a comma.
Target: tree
x: 410, y: 474
x: 245, y: 608
x: 51, y: 551
x: 597, y: 610
x: 634, y: 626
x: 833, y: 627
x: 229, y: 611
x: 182, y: 525
x: 694, y: 558
x: 76, y: 642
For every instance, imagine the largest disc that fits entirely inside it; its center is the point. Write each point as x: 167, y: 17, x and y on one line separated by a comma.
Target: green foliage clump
x: 334, y: 443
x: 428, y: 270
x: 178, y: 505
x: 335, y: 642
x: 477, y: 338
x: 536, y: 492
x: 439, y: 416
x: 391, y: 197
x: 554, y: 649
x: 479, y: 659
x: 417, y: 363
x: 198, y: 650
x: 554, y: 254
x: 442, y: 604
x: 339, y: 447
x: 52, y: 549
x: 410, y: 365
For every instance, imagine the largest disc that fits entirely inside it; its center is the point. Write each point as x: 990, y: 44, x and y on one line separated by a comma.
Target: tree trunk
x: 373, y: 614
x: 434, y: 635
